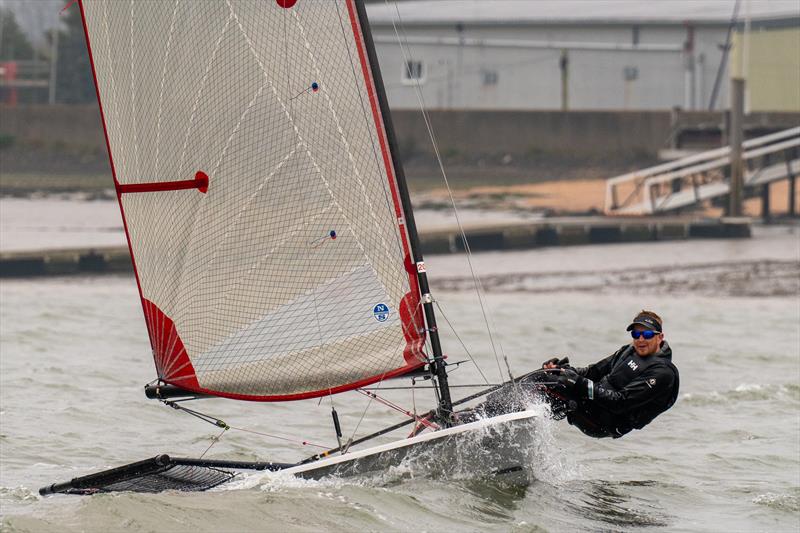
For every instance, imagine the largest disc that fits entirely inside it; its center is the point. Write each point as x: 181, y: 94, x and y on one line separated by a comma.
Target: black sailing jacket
x: 629, y: 390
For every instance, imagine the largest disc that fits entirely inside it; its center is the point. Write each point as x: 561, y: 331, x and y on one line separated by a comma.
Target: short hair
x: 652, y: 315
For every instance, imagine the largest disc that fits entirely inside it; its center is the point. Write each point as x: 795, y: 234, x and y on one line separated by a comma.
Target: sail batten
x: 291, y: 275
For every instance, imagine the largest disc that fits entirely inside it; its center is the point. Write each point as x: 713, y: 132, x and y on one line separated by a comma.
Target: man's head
x: 647, y: 332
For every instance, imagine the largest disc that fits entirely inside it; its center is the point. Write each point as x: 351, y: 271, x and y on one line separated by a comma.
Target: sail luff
x: 445, y: 403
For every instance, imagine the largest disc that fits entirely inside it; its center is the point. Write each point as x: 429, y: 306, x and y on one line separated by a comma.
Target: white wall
x: 531, y: 79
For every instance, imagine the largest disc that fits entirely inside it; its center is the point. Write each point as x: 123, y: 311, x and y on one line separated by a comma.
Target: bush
x: 6, y: 140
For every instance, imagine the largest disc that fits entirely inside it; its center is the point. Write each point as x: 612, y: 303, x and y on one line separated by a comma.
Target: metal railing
x: 664, y: 187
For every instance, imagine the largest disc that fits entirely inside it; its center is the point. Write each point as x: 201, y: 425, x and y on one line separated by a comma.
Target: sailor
x: 624, y: 391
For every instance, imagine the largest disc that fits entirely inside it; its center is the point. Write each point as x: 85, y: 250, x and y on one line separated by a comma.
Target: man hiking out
x: 623, y: 392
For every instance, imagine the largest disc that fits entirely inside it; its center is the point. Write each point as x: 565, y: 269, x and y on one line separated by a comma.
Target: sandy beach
x: 576, y: 197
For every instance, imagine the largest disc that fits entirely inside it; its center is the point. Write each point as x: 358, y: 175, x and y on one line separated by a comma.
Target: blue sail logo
x: 380, y: 312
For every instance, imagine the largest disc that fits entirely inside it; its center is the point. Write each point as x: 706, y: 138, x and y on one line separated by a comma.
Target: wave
x: 781, y: 502
x: 18, y: 494
x: 746, y: 392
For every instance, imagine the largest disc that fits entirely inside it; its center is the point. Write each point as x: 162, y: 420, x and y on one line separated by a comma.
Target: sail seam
x: 133, y: 97
x: 184, y: 275
x: 308, y: 150
x: 235, y: 284
x: 113, y: 81
x: 272, y: 250
x: 235, y: 130
x: 163, y: 80
x: 342, y: 136
x: 199, y: 93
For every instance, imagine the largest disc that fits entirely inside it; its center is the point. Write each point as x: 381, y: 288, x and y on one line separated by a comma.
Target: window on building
x: 630, y: 73
x: 490, y: 77
x: 413, y: 72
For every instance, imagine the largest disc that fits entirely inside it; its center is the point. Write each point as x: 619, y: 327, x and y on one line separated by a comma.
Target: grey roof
x: 578, y: 11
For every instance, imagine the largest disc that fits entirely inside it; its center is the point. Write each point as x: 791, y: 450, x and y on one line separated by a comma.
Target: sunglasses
x: 647, y: 334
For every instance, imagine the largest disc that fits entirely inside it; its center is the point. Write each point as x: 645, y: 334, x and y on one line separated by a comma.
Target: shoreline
x: 559, y: 197
x: 522, y: 235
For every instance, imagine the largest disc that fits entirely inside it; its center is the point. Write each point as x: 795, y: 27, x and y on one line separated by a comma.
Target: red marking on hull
x: 200, y: 182
x: 286, y: 3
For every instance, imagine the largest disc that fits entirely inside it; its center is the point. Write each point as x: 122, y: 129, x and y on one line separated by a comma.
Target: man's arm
x: 651, y: 384
x: 601, y: 368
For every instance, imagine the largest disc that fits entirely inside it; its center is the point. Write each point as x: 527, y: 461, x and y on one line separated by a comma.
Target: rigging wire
x: 478, y: 285
x: 303, y: 442
x: 214, y: 440
x: 399, y: 409
x: 225, y: 427
x: 441, y: 311
x: 413, y: 387
x: 724, y: 58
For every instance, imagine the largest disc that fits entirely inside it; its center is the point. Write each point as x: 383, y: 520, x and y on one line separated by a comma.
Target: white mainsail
x: 258, y: 194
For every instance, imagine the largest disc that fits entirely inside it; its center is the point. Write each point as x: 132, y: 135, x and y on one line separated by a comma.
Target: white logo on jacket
x: 633, y: 365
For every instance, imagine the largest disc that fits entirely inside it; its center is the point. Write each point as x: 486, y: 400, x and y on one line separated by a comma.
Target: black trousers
x: 597, y: 422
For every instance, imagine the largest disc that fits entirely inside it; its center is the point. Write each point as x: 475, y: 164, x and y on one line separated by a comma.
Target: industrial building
x: 587, y: 55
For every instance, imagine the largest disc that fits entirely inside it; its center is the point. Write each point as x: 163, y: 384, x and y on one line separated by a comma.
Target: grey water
x: 74, y: 356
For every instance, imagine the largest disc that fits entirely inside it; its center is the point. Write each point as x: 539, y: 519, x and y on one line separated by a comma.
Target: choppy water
x: 74, y: 356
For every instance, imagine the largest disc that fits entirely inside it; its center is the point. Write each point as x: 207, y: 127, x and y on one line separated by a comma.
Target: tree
x: 74, y: 81
x: 14, y: 44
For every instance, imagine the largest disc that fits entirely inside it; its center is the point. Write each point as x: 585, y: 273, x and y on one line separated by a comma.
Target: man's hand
x: 555, y: 362
x: 573, y: 384
x: 551, y: 363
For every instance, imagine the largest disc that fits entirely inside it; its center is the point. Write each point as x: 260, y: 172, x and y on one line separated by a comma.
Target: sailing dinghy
x: 270, y: 227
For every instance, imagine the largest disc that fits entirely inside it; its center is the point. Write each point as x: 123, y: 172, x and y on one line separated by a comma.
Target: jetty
x: 556, y: 231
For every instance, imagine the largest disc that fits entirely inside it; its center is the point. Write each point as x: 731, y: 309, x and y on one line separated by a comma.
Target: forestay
x: 258, y: 194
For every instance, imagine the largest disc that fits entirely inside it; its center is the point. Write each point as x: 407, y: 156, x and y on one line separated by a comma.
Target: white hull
x: 494, y: 447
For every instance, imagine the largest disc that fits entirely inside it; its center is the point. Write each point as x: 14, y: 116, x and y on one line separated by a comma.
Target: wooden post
x: 674, y: 127
x: 735, y: 136
x: 790, y: 154
x: 563, y: 64
x: 765, y: 215
x: 51, y: 89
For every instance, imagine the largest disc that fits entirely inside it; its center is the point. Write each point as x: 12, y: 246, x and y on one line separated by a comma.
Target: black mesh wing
x: 158, y: 474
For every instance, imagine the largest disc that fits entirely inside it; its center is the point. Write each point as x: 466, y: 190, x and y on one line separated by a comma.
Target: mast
x: 438, y: 367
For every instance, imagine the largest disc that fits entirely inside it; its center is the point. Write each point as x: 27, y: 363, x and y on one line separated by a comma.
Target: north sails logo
x: 381, y: 312
x: 633, y: 365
